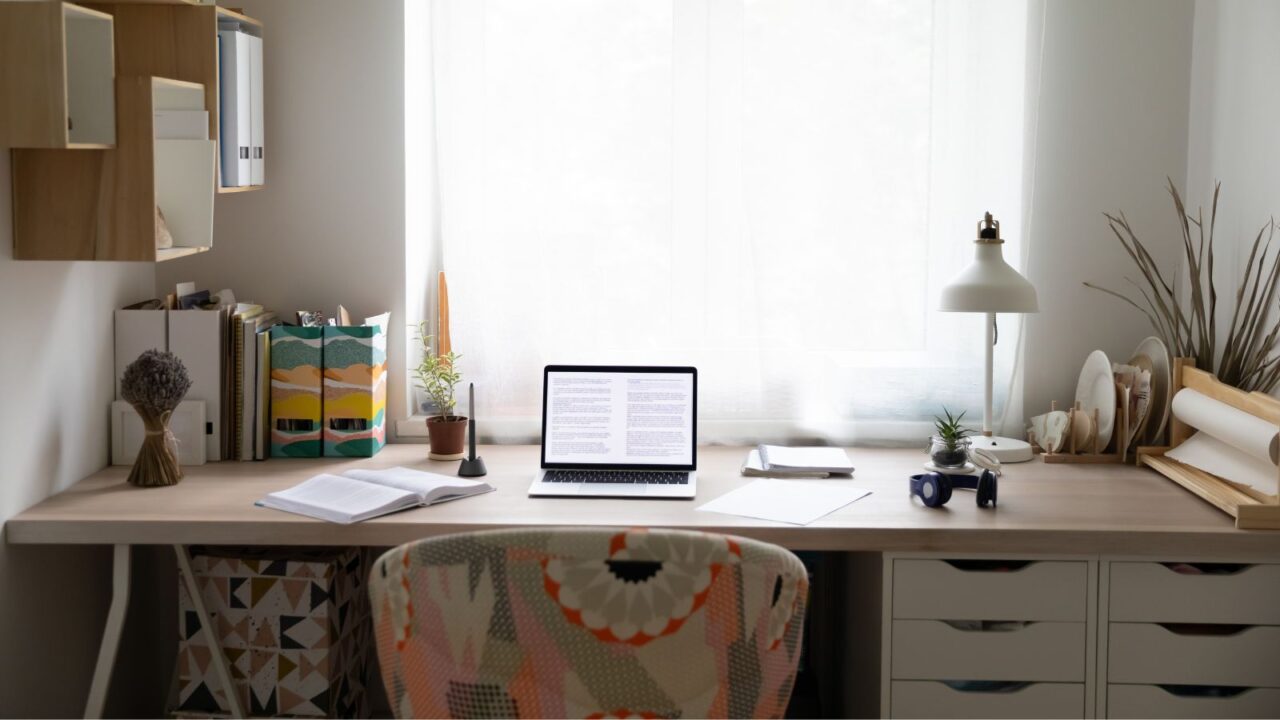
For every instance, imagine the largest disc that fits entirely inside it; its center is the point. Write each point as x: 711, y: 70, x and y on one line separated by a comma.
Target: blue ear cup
x: 933, y: 489
x: 987, y: 489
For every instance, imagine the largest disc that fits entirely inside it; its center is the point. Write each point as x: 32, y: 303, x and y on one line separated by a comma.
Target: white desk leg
x: 110, y: 633
x: 218, y: 659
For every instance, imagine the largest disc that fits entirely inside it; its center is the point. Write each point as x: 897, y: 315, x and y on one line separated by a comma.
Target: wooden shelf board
x: 177, y: 252
x: 233, y: 15
x: 98, y: 14
x: 89, y: 146
x: 242, y: 188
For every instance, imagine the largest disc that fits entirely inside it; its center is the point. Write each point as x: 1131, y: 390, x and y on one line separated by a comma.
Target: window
x: 773, y: 191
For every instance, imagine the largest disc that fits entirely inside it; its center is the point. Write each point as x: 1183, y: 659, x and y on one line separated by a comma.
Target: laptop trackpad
x: 613, y: 489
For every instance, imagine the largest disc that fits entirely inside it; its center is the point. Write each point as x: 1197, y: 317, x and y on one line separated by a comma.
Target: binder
x: 138, y: 331
x: 355, y: 389
x: 196, y: 337
x: 257, y: 172
x: 236, y: 116
x: 295, y: 391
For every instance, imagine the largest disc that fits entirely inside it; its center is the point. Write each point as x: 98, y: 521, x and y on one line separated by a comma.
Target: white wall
x: 329, y: 226
x: 1112, y: 126
x: 56, y: 362
x: 1234, y: 135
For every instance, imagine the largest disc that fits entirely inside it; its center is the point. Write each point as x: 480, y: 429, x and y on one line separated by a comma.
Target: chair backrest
x: 586, y: 622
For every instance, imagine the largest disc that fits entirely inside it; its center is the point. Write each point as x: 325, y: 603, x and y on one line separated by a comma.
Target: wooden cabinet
x: 102, y: 205
x: 57, y: 79
x: 178, y: 41
x: 79, y: 89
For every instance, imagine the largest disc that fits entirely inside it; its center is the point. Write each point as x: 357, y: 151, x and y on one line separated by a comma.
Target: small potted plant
x: 950, y: 447
x: 438, y: 376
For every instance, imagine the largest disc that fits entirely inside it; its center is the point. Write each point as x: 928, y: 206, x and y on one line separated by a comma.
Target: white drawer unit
x: 1146, y: 653
x: 990, y: 590
x: 931, y: 699
x: 1157, y: 592
x: 1147, y: 701
x: 988, y: 636
x: 1041, y: 651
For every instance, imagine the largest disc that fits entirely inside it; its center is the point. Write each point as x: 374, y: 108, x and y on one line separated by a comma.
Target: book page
x: 830, y: 459
x: 340, y: 499
x: 422, y: 484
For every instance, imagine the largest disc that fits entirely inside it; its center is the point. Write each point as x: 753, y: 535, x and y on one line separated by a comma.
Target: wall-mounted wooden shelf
x: 175, y: 40
x: 101, y: 205
x: 57, y: 79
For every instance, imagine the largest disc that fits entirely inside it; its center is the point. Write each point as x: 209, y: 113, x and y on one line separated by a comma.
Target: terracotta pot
x: 448, y: 436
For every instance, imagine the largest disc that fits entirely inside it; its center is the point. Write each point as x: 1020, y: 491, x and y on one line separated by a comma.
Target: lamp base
x: 472, y: 467
x: 1006, y: 450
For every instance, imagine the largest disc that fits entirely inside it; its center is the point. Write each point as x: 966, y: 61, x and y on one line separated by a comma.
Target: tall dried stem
x: 1190, y: 328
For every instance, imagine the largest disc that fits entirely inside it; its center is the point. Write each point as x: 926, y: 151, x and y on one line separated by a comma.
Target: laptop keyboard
x: 615, y: 476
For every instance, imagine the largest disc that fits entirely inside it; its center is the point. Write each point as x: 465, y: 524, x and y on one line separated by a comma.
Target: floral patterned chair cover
x: 588, y: 623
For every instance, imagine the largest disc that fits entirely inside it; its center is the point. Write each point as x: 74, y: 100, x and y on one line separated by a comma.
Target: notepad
x: 805, y: 459
x: 788, y: 501
x: 360, y: 494
x: 752, y: 467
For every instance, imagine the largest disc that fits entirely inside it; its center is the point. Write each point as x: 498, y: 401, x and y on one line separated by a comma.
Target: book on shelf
x: 360, y: 494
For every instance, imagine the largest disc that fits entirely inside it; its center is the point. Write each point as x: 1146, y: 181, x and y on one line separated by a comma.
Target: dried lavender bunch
x: 154, y: 384
x: 157, y: 381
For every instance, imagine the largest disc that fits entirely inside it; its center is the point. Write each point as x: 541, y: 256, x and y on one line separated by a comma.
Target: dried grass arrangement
x: 154, y: 384
x: 1246, y: 360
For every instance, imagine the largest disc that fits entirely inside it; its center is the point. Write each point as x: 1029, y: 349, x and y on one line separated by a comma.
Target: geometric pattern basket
x: 295, y: 628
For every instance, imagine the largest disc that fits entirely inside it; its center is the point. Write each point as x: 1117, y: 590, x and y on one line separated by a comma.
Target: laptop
x: 618, y: 431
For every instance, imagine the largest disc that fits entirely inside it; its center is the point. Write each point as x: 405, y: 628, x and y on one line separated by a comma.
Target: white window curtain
x: 773, y: 191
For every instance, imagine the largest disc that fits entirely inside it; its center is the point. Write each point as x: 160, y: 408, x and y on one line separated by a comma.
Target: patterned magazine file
x: 355, y: 390
x: 295, y: 391
x: 294, y: 626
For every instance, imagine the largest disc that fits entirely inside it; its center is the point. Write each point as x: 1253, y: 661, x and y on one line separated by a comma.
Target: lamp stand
x: 1006, y: 450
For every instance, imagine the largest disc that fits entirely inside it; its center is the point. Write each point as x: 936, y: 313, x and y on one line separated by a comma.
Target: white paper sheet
x: 1215, y: 457
x: 788, y: 501
x: 1236, y: 428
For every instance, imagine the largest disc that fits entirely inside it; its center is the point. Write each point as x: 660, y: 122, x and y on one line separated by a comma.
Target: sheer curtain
x: 773, y: 191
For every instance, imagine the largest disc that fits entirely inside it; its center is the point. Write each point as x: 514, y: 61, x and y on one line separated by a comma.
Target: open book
x: 360, y: 494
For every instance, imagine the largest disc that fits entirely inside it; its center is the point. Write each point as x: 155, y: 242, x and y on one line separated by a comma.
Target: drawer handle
x: 989, y: 565
x: 987, y: 625
x: 1205, y: 691
x: 1206, y: 568
x: 1204, y: 629
x: 985, y: 686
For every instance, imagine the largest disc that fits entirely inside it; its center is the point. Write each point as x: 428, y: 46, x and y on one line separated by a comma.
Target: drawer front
x: 935, y: 589
x: 1152, y: 592
x: 1141, y: 653
x: 1147, y: 701
x: 925, y: 699
x: 1039, y: 652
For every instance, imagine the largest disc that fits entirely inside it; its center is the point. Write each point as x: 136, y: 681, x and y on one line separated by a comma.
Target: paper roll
x: 1237, y: 428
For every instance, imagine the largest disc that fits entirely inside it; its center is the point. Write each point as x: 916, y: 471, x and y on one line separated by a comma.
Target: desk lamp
x: 991, y: 286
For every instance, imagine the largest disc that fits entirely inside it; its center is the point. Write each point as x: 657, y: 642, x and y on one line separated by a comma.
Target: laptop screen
x: 619, y: 418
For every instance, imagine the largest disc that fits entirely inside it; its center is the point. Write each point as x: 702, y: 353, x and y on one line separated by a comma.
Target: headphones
x: 934, y: 488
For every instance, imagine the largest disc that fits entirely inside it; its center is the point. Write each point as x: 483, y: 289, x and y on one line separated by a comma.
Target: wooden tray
x: 1252, y: 510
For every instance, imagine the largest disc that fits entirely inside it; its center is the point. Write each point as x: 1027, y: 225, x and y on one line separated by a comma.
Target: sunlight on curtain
x: 773, y: 191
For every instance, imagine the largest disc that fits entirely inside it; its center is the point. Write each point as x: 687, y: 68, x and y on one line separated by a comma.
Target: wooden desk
x: 1043, y: 508
x: 1047, y: 509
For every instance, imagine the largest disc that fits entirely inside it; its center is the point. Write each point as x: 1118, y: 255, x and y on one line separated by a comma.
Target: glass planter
x: 948, y: 454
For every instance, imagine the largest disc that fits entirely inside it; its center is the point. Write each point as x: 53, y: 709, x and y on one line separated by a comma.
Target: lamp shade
x: 989, y: 285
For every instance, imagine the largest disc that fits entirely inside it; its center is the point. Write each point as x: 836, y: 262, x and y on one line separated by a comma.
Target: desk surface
x: 1069, y: 509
